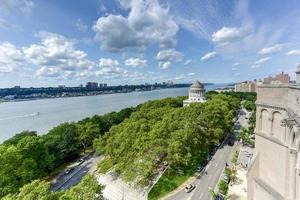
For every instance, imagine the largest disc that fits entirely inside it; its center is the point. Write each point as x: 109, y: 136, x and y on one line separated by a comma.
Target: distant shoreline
x: 69, y: 95
x: 58, y: 97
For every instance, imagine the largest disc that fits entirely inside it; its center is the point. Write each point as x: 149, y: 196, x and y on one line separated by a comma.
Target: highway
x: 212, y: 173
x: 66, y: 181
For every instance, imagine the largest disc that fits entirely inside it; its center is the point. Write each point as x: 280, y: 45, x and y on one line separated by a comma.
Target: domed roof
x: 197, y: 84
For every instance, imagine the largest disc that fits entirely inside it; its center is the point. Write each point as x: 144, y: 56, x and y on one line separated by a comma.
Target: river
x: 44, y: 114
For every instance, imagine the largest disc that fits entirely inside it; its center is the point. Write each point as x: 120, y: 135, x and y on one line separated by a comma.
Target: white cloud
x: 262, y: 60
x: 234, y: 69
x: 295, y: 52
x: 111, y: 69
x: 229, y: 34
x: 191, y: 74
x: 48, y: 72
x: 56, y: 51
x: 11, y: 58
x: 164, y: 65
x: 271, y: 50
x: 169, y: 55
x: 147, y: 23
x: 136, y: 62
x: 236, y: 64
x: 25, y: 6
x: 166, y: 57
x: 80, y: 25
x: 209, y: 56
x: 188, y: 62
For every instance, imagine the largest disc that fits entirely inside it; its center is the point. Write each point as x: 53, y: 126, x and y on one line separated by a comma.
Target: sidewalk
x: 238, y: 191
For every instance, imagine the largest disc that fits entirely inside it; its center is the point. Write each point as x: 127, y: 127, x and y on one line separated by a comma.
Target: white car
x: 189, y: 188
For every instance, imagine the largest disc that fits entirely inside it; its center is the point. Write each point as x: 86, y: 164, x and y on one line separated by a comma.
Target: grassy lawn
x: 171, y: 180
x: 167, y: 183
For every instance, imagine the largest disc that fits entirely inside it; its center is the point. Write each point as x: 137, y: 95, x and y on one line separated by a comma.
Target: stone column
x: 292, y: 175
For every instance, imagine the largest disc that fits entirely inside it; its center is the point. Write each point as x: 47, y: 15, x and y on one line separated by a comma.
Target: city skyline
x: 134, y: 41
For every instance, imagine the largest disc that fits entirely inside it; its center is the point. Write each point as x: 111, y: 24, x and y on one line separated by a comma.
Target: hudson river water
x: 19, y: 116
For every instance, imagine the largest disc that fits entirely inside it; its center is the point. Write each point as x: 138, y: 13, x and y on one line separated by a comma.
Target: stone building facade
x: 274, y: 172
x: 196, y: 94
x: 247, y: 86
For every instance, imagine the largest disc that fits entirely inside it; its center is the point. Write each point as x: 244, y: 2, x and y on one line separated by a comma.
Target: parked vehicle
x: 219, y: 197
x: 189, y: 188
x: 79, y: 162
x: 226, y: 178
x: 200, y: 168
x: 69, y: 170
x: 231, y: 143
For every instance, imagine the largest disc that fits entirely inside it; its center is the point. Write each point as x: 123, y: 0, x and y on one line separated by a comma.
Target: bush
x: 223, y: 187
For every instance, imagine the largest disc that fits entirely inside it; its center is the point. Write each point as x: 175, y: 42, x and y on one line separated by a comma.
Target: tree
x: 87, y: 132
x: 35, y: 190
x: 16, y: 138
x: 88, y: 188
x: 223, y: 187
x: 63, y: 143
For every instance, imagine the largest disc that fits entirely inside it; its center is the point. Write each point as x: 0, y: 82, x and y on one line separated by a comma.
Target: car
x: 226, y: 178
x: 231, y: 143
x: 165, y: 163
x: 79, y: 162
x: 219, y: 197
x: 200, y: 169
x: 189, y: 188
x: 69, y: 170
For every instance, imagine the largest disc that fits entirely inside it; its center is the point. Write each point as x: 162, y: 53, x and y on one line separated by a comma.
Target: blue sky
x: 70, y: 42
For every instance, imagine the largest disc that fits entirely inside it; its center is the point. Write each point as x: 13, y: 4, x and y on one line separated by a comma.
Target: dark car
x: 219, y: 197
x: 200, y: 168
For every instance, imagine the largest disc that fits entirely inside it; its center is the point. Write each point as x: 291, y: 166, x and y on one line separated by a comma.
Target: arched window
x: 278, y: 131
x: 265, y: 122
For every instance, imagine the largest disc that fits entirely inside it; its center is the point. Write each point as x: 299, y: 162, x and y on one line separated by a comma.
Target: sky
x: 70, y: 42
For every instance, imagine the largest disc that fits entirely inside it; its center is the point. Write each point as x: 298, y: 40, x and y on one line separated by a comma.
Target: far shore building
x: 246, y: 86
x: 274, y: 171
x: 196, y: 94
x: 251, y: 86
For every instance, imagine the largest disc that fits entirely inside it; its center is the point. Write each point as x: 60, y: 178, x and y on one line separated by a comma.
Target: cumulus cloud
x: 109, y: 68
x: 11, y: 57
x: 271, y: 50
x: 209, y: 56
x: 262, y: 60
x: 164, y: 65
x: 295, y: 52
x: 188, y: 62
x: 147, y: 22
x: 136, y: 62
x: 56, y: 51
x: 166, y: 57
x: 169, y: 55
x: 236, y: 64
x: 191, y: 74
x: 229, y: 34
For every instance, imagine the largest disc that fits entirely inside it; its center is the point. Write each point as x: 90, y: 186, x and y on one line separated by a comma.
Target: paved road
x: 67, y: 181
x: 211, y: 176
